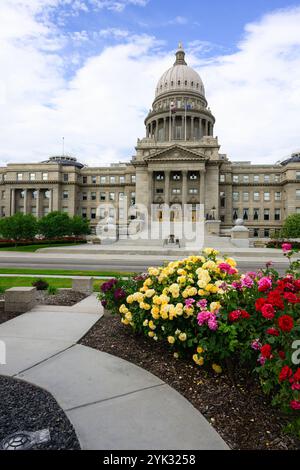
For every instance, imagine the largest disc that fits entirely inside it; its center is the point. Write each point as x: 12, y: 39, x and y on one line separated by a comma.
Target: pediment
x: 175, y: 153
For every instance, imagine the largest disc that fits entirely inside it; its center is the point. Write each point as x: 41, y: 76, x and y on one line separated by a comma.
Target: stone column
x: 50, y: 200
x: 13, y: 202
x: 151, y: 129
x: 200, y: 128
x: 165, y: 129
x: 25, y: 201
x: 206, y: 127
x: 156, y: 129
x: 202, y: 188
x: 38, y: 203
x: 182, y: 127
x: 167, y: 186
x: 192, y: 128
x: 184, y: 188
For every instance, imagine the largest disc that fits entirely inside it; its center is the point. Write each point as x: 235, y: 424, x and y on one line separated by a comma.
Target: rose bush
x: 204, y: 309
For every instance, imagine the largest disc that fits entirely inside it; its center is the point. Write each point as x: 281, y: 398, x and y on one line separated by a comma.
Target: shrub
x: 291, y: 226
x: 40, y: 284
x: 52, y: 290
x: 55, y: 224
x: 205, y: 310
x: 80, y: 226
x: 19, y: 227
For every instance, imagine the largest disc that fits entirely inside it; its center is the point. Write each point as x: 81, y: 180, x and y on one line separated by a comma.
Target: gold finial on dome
x: 180, y: 45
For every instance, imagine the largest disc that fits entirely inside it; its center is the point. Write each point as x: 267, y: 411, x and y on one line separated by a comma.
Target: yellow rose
x: 145, y: 323
x: 171, y: 339
x: 148, y: 282
x: 199, y: 350
x: 155, y: 310
x: 198, y: 360
x: 130, y: 299
x: 123, y: 309
x: 202, y: 292
x: 156, y: 300
x: 181, y: 279
x: 151, y: 334
x: 231, y: 262
x: 214, y: 306
x: 124, y: 321
x: 164, y: 299
x: 149, y: 293
x: 151, y: 325
x: 217, y: 368
x: 209, y: 265
x: 182, y: 336
x: 145, y: 306
x: 128, y: 316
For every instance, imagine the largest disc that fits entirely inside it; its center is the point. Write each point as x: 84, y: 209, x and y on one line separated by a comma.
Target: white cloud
x: 254, y: 92
x: 178, y: 20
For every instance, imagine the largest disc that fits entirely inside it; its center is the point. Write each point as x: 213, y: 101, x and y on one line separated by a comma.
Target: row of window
x: 177, y: 191
x: 32, y: 176
x: 176, y: 176
x: 254, y: 178
x: 256, y: 195
x: 103, y: 196
x: 256, y: 215
x: 102, y: 213
x: 107, y: 179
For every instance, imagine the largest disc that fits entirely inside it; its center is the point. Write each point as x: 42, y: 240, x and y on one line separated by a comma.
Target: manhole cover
x: 23, y: 440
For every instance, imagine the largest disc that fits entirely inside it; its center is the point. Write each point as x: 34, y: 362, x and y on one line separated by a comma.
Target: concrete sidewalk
x: 112, y: 403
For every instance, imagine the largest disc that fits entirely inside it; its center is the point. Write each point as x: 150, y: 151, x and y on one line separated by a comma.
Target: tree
x: 80, y: 226
x: 291, y: 226
x: 55, y: 225
x: 19, y: 227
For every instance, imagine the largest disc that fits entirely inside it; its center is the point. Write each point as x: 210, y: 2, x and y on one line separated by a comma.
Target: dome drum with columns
x: 179, y: 110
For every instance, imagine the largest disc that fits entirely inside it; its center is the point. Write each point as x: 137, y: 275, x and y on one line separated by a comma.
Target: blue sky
x: 87, y: 69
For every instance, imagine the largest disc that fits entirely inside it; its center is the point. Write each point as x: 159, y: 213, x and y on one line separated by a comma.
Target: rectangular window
x: 84, y: 196
x: 84, y: 179
x: 297, y: 210
x: 159, y: 191
x: 298, y: 175
x: 66, y: 177
x: 256, y: 196
x: 235, y: 178
x: 93, y: 196
x: 255, y: 214
x: 93, y: 213
x: 277, y: 214
x: 297, y: 194
x: 267, y: 232
x: 32, y: 176
x: 65, y: 209
x: 266, y: 196
x: 266, y: 214
x: 102, y: 179
x: 277, y: 178
x: 45, y: 176
x: 94, y: 179
x: 132, y: 198
x: 3, y: 196
x: 176, y: 177
x: 176, y: 191
x: 112, y: 179
x: 255, y: 232
x: 111, y: 196
x: 19, y: 176
x: 83, y: 212
x: 46, y: 210
x: 133, y: 178
x: 245, y: 214
x: 256, y: 179
x: 222, y: 178
x: 235, y: 196
x: 246, y: 178
x: 160, y: 177
x: 65, y: 195
x: 278, y: 196
x: 267, y: 178
x: 222, y: 199
x: 33, y: 210
x: 122, y: 179
x: 121, y: 196
x: 245, y: 196
x: 235, y: 214
x: 193, y: 176
x: 102, y: 196
x: 193, y: 191
x: 102, y: 213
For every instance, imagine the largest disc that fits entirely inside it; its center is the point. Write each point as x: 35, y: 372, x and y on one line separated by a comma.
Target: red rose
x: 259, y: 303
x: 285, y: 373
x: 281, y: 354
x: 272, y: 331
x: 265, y: 351
x: 234, y: 315
x: 268, y: 311
x: 290, y: 297
x: 297, y: 375
x: 285, y: 323
x: 297, y: 284
x: 275, y: 299
x: 245, y: 314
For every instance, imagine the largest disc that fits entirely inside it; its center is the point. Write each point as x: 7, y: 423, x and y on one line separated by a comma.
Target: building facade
x: 178, y: 163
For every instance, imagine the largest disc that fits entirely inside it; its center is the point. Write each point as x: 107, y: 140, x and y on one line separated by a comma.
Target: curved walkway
x: 112, y: 403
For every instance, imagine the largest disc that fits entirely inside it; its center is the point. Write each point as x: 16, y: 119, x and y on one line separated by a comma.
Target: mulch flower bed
x: 240, y: 412
x: 24, y: 407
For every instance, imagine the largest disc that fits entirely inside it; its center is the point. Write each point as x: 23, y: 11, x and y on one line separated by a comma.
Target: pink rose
x: 286, y: 247
x: 264, y: 284
x: 295, y: 405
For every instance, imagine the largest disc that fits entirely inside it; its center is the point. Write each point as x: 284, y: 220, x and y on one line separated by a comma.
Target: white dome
x: 180, y: 78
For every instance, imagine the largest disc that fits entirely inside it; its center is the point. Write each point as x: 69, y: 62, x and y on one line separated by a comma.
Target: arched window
x: 166, y: 84
x: 178, y: 83
x: 192, y: 83
x: 172, y: 83
x: 185, y: 82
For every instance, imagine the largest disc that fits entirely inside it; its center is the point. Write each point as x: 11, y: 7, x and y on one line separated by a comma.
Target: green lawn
x: 32, y: 248
x: 19, y: 281
x: 62, y: 272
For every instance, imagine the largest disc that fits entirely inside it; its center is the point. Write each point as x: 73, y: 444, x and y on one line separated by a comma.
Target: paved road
x: 93, y: 263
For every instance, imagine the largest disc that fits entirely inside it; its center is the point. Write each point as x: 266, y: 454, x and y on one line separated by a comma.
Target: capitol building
x: 177, y: 163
